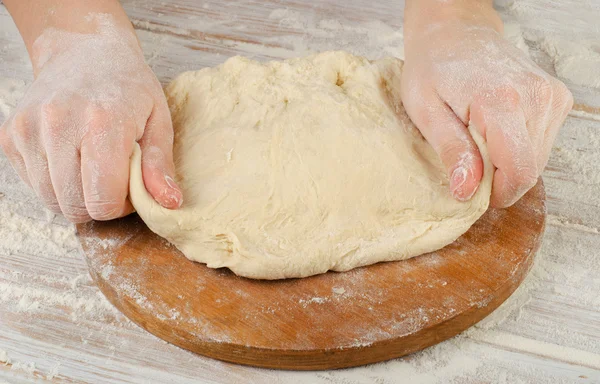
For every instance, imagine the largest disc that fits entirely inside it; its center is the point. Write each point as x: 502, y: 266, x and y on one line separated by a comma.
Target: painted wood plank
x: 72, y: 333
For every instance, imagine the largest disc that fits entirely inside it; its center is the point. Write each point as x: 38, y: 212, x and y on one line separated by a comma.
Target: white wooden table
x: 56, y: 326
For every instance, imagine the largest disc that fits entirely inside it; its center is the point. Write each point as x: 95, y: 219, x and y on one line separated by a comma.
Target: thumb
x: 452, y: 141
x: 158, y: 170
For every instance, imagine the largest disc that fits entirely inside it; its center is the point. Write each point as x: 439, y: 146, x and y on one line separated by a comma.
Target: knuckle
x: 54, y: 116
x: 570, y: 101
x: 49, y: 110
x: 415, y: 103
x: 20, y: 118
x: 544, y: 84
x: 97, y: 120
x: 526, y: 177
x: 450, y: 150
x: 97, y: 114
x: 152, y: 156
x: 540, y: 89
x: 561, y: 90
x: 564, y: 97
x: 511, y: 95
x: 104, y: 210
x: 21, y: 126
x: 503, y: 97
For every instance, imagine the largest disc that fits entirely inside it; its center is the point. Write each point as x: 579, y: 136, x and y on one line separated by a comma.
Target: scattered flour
x: 578, y: 62
x: 26, y: 235
x: 31, y: 300
x: 41, y: 272
x: 30, y: 237
x: 562, y: 264
x: 28, y: 368
x: 338, y: 290
x: 580, y: 154
x: 53, y: 372
x: 313, y: 300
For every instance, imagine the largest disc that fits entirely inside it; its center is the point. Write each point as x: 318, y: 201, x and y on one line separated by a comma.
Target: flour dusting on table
x: 575, y: 60
x: 44, y: 282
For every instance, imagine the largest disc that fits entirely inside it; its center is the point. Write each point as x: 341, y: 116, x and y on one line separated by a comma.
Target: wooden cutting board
x: 328, y: 321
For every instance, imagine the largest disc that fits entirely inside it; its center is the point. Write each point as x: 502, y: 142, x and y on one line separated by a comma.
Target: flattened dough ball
x: 293, y: 168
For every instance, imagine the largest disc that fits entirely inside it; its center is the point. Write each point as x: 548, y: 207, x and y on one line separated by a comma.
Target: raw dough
x: 294, y: 168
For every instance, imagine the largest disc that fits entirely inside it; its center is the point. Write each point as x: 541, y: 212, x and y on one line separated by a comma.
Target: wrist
x: 36, y: 19
x: 98, y: 35
x: 423, y: 16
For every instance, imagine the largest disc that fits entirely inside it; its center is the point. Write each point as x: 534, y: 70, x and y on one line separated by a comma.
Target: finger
x: 65, y: 173
x: 509, y: 145
x: 33, y: 156
x: 12, y: 154
x: 158, y: 169
x: 18, y: 164
x: 535, y: 101
x: 105, y: 168
x: 38, y: 173
x: 64, y: 161
x: 451, y: 140
x: 561, y: 105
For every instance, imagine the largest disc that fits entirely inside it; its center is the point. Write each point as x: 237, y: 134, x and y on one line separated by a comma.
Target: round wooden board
x: 333, y: 320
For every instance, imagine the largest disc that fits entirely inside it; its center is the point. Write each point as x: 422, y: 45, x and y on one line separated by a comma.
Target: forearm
x: 33, y: 17
x: 420, y: 15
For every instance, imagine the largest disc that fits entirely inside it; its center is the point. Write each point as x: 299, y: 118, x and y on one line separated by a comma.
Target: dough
x: 294, y: 168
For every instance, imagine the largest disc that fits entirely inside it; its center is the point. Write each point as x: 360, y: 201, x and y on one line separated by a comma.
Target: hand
x: 459, y: 71
x: 70, y: 138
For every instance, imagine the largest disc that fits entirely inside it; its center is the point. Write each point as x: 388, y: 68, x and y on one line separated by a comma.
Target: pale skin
x: 71, y: 137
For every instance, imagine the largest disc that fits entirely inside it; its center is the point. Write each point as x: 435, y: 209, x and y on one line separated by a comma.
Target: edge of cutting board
x: 334, y: 320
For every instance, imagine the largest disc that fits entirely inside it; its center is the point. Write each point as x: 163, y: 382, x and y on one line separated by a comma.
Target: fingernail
x: 174, y: 195
x: 457, y: 181
x: 171, y: 182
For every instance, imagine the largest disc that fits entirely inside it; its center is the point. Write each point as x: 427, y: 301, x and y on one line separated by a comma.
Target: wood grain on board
x: 333, y: 320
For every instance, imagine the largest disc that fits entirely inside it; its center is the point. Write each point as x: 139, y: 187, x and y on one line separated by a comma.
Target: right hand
x: 71, y: 137
x: 459, y: 70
